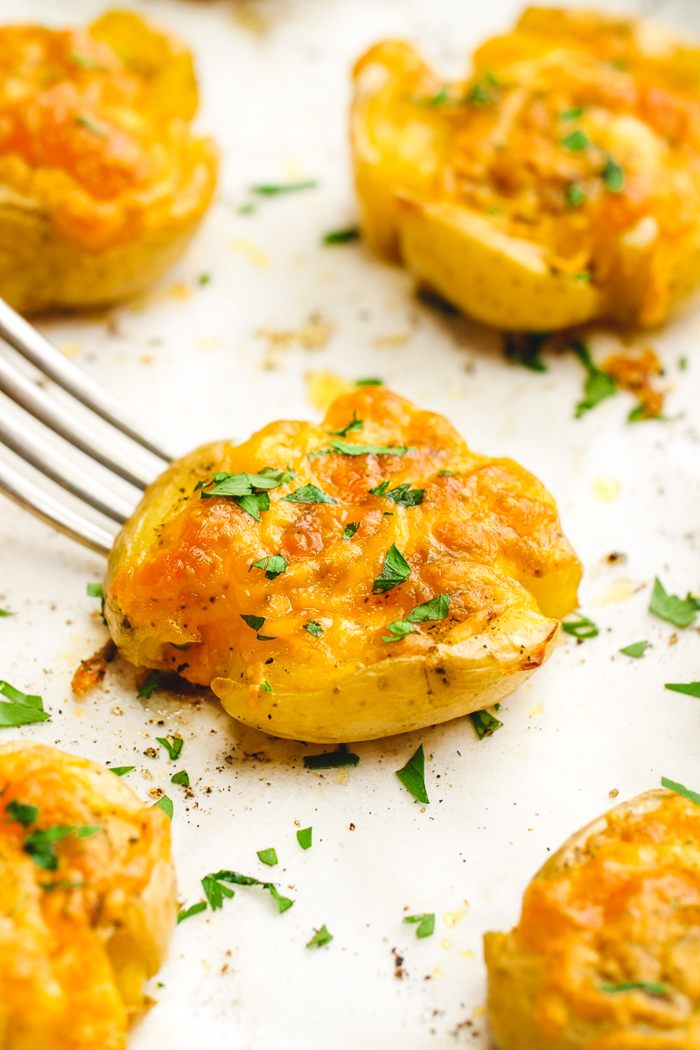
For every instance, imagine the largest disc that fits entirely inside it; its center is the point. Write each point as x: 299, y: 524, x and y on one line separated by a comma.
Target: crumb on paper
x: 314, y: 334
x: 538, y: 709
x: 479, y: 1011
x: 322, y: 388
x: 619, y: 591
x: 613, y: 793
x: 246, y: 13
x: 257, y: 256
x: 606, y: 489
x: 673, y: 640
x: 444, y: 943
x: 451, y: 918
x: 140, y: 303
x: 92, y: 671
x: 468, y: 954
x: 634, y: 374
x: 71, y: 350
x: 398, y: 339
x: 206, y: 342
x: 437, y: 972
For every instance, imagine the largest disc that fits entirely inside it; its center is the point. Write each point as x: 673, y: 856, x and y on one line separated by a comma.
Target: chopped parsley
x: 350, y: 529
x: 256, y: 622
x: 440, y: 98
x: 575, y: 195
x: 204, y: 278
x: 4, y: 612
x: 121, y: 771
x: 249, y: 491
x: 650, y: 987
x: 346, y: 449
x: 309, y: 494
x: 187, y: 913
x: 598, y: 386
x: 331, y: 759
x: 320, y: 938
x: 22, y: 813
x: 92, y: 127
x: 166, y: 804
x: 215, y: 891
x: 412, y: 776
x: 150, y: 685
x: 274, y: 189
x: 313, y: 628
x: 576, y: 142
x: 350, y: 233
x: 304, y: 836
x: 681, y: 612
x: 268, y: 856
x: 613, y: 176
x: 689, y: 688
x: 283, y: 903
x: 85, y: 62
x: 173, y: 745
x: 437, y: 608
x: 397, y: 631
x: 482, y: 93
x: 484, y: 723
x: 395, y: 570
x: 636, y: 650
x: 524, y: 348
x: 182, y: 778
x: 582, y: 628
x: 94, y: 590
x: 572, y: 114
x: 265, y: 685
x: 403, y: 495
x: 21, y: 709
x: 426, y: 923
x: 40, y: 844
x: 273, y: 566
x: 369, y: 382
x: 354, y: 424
x: 680, y: 789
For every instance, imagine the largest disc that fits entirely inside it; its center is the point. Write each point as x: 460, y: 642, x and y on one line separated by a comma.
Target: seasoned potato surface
x: 379, y: 577
x: 606, y: 955
x: 558, y: 184
x: 101, y: 182
x: 87, y: 894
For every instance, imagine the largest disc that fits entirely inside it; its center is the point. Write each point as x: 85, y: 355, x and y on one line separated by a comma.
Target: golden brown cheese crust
x: 560, y: 183
x: 618, y: 904
x: 78, y: 942
x: 101, y: 182
x: 180, y: 577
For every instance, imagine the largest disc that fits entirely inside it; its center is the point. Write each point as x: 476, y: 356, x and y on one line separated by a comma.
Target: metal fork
x: 104, y: 446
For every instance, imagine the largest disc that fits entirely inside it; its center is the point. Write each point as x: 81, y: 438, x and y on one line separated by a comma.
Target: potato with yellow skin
x: 102, y: 184
x: 606, y: 955
x: 558, y: 185
x: 87, y: 919
x: 283, y: 612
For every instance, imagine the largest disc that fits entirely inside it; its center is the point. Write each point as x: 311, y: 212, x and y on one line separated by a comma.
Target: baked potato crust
x: 77, y: 943
x: 545, y: 190
x: 181, y: 578
x: 619, y: 903
x: 102, y: 184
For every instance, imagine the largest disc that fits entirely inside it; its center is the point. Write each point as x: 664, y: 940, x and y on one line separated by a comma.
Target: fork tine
x: 44, y: 506
x: 15, y: 434
x: 31, y: 397
x: 35, y: 348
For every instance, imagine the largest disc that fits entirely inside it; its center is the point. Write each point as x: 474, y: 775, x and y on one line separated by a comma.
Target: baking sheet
x: 222, y: 358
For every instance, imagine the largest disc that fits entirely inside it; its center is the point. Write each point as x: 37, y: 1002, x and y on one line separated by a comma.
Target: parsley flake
x: 166, y: 804
x: 320, y: 938
x: 265, y: 685
x: 395, y: 571
x: 121, y: 771
x: 347, y: 449
x: 524, y: 348
x: 268, y: 856
x: 482, y: 93
x: 283, y: 903
x: 403, y: 495
x: 436, y: 609
x: 575, y: 195
x: 398, y: 631
x: 572, y: 114
x: 689, y: 688
x: 650, y: 987
x: 21, y: 709
x: 582, y: 628
x: 598, y: 386
x: 215, y: 891
x: 369, y: 382
x: 309, y: 494
x: 275, y: 189
x: 150, y: 685
x: 440, y: 98
x: 426, y: 923
x: 636, y: 650
x: 354, y: 424
x: 182, y: 778
x: 273, y: 566
x: 484, y: 723
x: 92, y: 127
x: 304, y: 836
x: 350, y: 529
x: 22, y: 813
x: 249, y: 491
x: 204, y: 278
x: 40, y: 844
x: 256, y: 622
x: 350, y: 233
x: 331, y: 759
x: 85, y: 62
x: 4, y: 612
x: 680, y: 789
x: 681, y: 612
x: 94, y: 590
x: 614, y: 176
x: 313, y: 628
x: 412, y: 776
x: 173, y: 745
x: 187, y: 913
x: 576, y: 142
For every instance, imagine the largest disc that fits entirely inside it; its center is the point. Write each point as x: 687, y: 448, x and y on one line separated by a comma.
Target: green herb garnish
x: 166, y: 804
x: 636, y: 650
x: 346, y: 449
x: 681, y: 612
x: 268, y: 856
x: 575, y: 195
x: 582, y: 628
x: 412, y: 776
x: 351, y: 233
x: 313, y: 628
x: 265, y: 685
x: 94, y: 590
x: 173, y: 745
x: 524, y: 348
x: 354, y: 424
x: 40, y: 844
x: 395, y: 570
x: 689, y: 688
x: 256, y: 622
x: 320, y: 938
x: 484, y: 723
x: 572, y: 114
x: 204, y: 278
x: 86, y: 62
x: 215, y: 891
x: 331, y: 759
x: 249, y: 491
x: 680, y: 789
x: 304, y: 837
x: 121, y: 771
x: 614, y: 176
x: 273, y: 566
x: 309, y: 494
x: 21, y: 709
x: 403, y: 495
x: 598, y: 386
x: 181, y: 778
x: 187, y: 913
x: 369, y: 382
x: 92, y: 127
x: 150, y: 685
x: 436, y: 609
x: 426, y: 923
x: 350, y: 529
x: 22, y: 813
x: 651, y: 987
x: 276, y: 188
x: 482, y: 93
x: 575, y: 142
x: 4, y: 612
x: 283, y: 903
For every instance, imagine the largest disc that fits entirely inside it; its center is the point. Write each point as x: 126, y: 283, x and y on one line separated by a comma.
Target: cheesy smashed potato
x: 102, y: 184
x: 346, y: 581
x: 558, y: 184
x: 87, y: 895
x: 606, y: 955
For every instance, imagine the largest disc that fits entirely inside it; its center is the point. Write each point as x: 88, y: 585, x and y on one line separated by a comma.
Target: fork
x: 119, y: 447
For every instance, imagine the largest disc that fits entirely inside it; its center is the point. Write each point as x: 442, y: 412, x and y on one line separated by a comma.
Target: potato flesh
x: 190, y: 581
x: 620, y: 902
x: 73, y: 959
x: 485, y: 179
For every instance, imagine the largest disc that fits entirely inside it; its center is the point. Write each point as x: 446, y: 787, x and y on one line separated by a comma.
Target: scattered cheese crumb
x: 256, y: 255
x: 538, y: 709
x: 606, y: 489
x: 324, y: 387
x: 619, y: 591
x: 445, y: 944
x: 468, y: 955
x: 70, y: 349
x: 392, y: 340
x: 451, y: 918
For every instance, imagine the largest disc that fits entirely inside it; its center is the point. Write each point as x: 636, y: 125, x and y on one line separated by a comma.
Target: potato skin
x: 470, y: 184
x: 77, y: 943
x: 618, y: 903
x: 102, y: 184
x: 181, y: 578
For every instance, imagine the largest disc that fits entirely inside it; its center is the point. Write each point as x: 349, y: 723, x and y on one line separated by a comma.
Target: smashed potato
x: 606, y: 955
x: 346, y: 581
x: 559, y: 184
x: 102, y: 184
x: 87, y: 894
